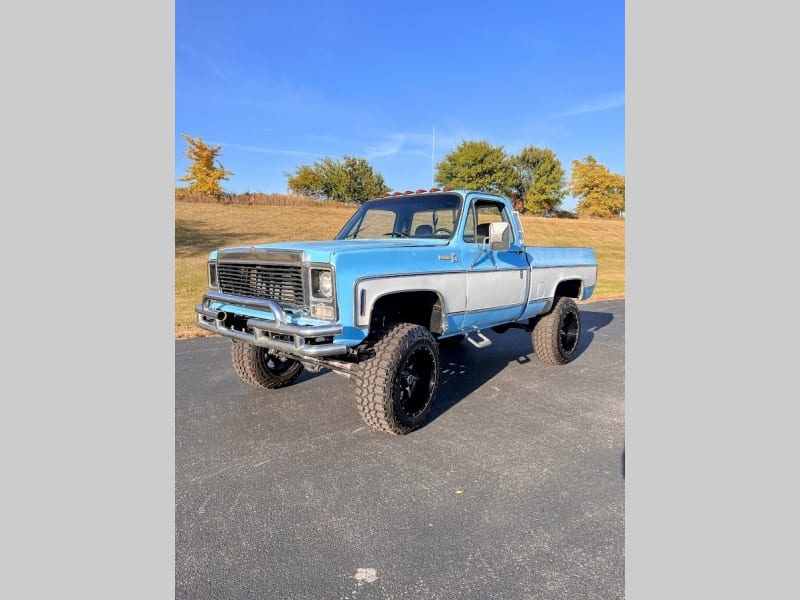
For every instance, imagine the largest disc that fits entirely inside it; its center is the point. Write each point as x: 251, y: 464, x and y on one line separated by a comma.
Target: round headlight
x: 325, y: 284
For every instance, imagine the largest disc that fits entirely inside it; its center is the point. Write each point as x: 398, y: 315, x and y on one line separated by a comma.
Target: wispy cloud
x: 264, y: 150
x: 217, y: 72
x: 386, y: 147
x: 595, y: 104
x: 202, y: 60
x: 187, y: 48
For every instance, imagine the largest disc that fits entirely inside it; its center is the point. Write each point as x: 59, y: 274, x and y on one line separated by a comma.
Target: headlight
x: 321, y: 283
x: 325, y: 284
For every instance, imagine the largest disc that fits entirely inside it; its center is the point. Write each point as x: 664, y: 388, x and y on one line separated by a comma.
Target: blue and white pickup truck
x: 408, y: 272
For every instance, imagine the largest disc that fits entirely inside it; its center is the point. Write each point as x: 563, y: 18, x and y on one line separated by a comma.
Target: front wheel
x: 259, y: 367
x: 396, y: 386
x: 556, y: 335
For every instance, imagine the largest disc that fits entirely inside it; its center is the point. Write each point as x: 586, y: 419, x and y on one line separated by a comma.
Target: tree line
x: 533, y: 178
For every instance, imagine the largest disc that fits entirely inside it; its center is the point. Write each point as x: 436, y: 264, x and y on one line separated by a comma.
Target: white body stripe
x: 474, y: 290
x: 545, y: 279
x: 496, y: 288
x: 450, y: 286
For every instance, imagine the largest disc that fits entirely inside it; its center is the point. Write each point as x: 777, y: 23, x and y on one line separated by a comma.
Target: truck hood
x: 323, y: 251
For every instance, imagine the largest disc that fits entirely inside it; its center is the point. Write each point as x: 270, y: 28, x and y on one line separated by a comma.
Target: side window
x: 481, y: 214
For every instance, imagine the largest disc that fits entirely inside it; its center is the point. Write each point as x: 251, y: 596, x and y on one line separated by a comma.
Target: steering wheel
x: 443, y: 230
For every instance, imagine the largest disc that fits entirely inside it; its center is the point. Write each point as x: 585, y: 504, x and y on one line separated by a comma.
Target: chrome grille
x: 281, y: 283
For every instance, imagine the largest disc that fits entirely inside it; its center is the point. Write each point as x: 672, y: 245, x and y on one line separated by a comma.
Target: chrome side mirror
x: 499, y: 236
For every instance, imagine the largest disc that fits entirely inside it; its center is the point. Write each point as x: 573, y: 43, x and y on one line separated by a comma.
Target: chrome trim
x: 269, y: 256
x: 305, y: 331
x: 213, y: 283
x: 492, y: 308
x: 311, y: 298
x: 262, y: 329
x: 258, y: 280
x: 269, y: 305
x: 533, y: 247
x: 564, y: 266
x: 459, y: 271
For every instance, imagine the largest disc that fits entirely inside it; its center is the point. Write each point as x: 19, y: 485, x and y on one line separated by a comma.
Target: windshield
x: 420, y: 216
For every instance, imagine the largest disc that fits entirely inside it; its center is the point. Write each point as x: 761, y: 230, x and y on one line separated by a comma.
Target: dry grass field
x: 202, y: 227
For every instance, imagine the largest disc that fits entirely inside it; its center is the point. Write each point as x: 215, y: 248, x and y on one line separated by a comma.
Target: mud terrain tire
x: 556, y: 335
x: 396, y: 386
x: 256, y: 366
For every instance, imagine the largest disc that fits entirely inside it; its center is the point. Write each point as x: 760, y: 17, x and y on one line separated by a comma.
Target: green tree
x: 351, y: 179
x: 308, y: 181
x: 600, y: 192
x: 205, y: 172
x: 478, y: 165
x: 542, y: 185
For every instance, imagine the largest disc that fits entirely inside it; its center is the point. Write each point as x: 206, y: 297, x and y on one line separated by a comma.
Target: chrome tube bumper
x: 264, y: 330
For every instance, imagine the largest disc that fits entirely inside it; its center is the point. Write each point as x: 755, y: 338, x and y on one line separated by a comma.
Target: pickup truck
x: 407, y: 273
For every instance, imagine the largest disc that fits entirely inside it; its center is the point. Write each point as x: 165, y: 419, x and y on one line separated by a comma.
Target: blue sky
x: 281, y: 84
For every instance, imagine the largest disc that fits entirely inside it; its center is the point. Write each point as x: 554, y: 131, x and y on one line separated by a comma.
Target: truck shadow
x: 466, y: 368
x: 593, y: 321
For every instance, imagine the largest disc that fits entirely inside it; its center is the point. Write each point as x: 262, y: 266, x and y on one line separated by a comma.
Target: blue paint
x: 354, y: 260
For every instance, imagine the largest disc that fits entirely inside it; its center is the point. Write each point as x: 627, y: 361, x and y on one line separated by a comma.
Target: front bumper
x: 277, y: 334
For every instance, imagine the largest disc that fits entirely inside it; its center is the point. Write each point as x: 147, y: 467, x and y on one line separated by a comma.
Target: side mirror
x: 499, y: 236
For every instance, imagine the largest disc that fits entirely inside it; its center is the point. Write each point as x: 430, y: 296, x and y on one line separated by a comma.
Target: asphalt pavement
x: 514, y: 489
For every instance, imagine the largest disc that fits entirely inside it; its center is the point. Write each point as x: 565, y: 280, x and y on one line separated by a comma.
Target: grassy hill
x: 202, y: 227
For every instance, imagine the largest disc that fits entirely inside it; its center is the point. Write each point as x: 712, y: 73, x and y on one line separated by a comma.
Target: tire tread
x: 375, y: 376
x: 249, y: 366
x: 546, y: 332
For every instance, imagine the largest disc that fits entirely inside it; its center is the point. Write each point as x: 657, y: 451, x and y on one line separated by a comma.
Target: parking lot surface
x: 514, y: 489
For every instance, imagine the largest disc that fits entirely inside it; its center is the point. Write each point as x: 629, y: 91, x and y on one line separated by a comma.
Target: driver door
x: 497, y: 281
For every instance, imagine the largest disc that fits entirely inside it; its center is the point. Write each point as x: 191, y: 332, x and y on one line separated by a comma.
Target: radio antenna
x: 433, y: 153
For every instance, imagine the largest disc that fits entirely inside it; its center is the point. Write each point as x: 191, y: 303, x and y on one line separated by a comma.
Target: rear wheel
x: 556, y: 335
x: 260, y: 367
x: 397, y: 385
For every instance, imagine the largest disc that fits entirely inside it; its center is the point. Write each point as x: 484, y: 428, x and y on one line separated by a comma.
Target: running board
x: 483, y: 342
